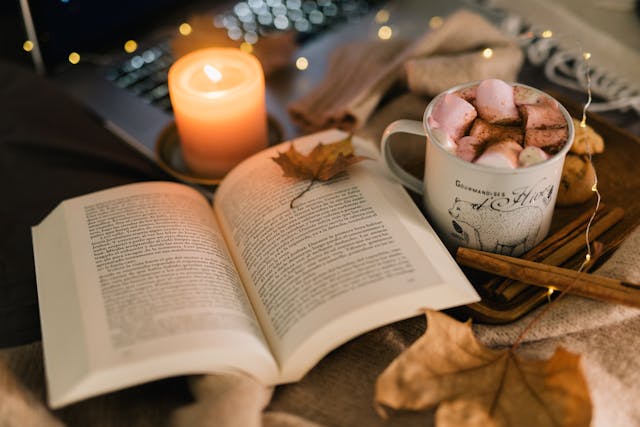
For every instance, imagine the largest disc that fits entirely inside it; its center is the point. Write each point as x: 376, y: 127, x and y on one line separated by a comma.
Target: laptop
x: 114, y: 55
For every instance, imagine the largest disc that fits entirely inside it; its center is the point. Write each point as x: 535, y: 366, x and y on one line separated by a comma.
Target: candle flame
x: 213, y: 73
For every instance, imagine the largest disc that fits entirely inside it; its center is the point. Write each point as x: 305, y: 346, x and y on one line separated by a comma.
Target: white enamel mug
x: 492, y: 209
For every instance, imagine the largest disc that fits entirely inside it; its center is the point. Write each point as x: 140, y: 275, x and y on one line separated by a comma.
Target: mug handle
x: 401, y: 126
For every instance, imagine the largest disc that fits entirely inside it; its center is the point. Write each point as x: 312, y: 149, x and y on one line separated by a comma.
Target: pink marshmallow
x: 443, y: 138
x: 468, y: 148
x: 501, y: 154
x: 495, y: 103
x: 453, y: 115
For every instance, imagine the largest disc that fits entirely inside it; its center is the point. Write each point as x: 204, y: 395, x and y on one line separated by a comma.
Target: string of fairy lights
x: 384, y: 32
x: 381, y: 19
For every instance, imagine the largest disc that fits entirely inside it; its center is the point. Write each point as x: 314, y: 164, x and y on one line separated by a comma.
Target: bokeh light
x: 130, y: 46
x: 185, y: 29
x: 74, y: 57
x: 435, y: 22
x: 385, y: 32
x: 382, y: 17
x: 302, y: 63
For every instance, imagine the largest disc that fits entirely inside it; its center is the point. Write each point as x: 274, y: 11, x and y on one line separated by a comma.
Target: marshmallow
x: 453, y: 115
x: 501, y: 154
x: 495, y: 103
x: 550, y: 140
x: 544, y: 115
x: 531, y: 155
x: 468, y: 148
x: 524, y: 95
x: 443, y: 138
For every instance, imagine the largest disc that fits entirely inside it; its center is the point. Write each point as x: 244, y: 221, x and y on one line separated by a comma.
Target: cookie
x: 578, y: 177
x: 586, y: 138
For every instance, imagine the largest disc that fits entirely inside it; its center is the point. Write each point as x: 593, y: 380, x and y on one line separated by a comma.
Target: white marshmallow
x: 531, y: 155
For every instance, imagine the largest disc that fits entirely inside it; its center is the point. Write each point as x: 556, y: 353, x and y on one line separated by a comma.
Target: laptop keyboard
x: 145, y: 73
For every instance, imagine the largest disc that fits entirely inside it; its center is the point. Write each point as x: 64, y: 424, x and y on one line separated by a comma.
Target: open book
x: 146, y: 280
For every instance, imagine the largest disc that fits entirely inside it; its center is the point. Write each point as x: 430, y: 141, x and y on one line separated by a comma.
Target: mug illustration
x: 508, y: 231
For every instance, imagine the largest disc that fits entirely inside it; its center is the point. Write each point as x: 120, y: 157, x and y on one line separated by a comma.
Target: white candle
x: 218, y: 99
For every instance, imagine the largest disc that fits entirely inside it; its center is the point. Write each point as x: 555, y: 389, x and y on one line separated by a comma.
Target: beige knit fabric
x: 20, y: 407
x: 360, y: 74
x: 607, y: 336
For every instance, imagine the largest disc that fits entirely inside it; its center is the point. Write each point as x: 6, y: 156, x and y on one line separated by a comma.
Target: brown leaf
x: 323, y: 162
x: 294, y: 164
x: 477, y: 386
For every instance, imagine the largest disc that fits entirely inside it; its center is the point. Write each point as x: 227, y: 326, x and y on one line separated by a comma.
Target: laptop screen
x: 59, y: 27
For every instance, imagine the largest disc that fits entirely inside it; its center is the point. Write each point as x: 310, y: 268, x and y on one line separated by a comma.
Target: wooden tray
x: 618, y: 170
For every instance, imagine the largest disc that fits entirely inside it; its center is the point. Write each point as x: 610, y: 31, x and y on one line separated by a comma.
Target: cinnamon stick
x: 551, y: 277
x: 574, y: 246
x: 564, y: 249
x: 547, y: 246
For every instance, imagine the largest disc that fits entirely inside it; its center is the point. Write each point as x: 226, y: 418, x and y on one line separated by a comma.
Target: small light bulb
x: 27, y: 46
x: 74, y: 57
x: 587, y: 257
x: 130, y: 46
x: 246, y: 47
x: 385, y: 32
x: 550, y: 292
x: 547, y: 34
x: 302, y: 63
x: 185, y: 29
x: 435, y: 22
x: 487, y: 53
x: 382, y: 17
x: 586, y: 55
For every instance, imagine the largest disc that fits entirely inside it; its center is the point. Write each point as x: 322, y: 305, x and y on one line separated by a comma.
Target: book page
x: 155, y: 284
x: 352, y: 254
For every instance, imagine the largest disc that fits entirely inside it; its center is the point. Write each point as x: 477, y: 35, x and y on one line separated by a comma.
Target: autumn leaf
x: 477, y: 386
x: 323, y: 162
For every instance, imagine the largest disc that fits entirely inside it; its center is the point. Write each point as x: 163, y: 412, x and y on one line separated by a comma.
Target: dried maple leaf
x: 477, y: 386
x: 323, y: 162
